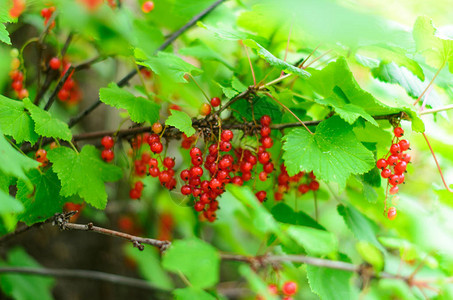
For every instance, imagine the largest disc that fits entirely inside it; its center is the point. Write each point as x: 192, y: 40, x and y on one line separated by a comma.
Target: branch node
x: 90, y: 226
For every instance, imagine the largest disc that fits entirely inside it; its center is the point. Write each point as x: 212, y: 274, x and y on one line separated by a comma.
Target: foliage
x: 301, y: 198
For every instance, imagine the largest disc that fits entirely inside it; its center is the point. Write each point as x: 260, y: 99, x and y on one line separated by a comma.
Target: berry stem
x: 429, y: 84
x: 205, y: 95
x: 308, y: 57
x: 434, y: 110
x: 289, y: 110
x: 250, y: 63
x: 287, y: 45
x: 317, y: 58
x: 437, y: 163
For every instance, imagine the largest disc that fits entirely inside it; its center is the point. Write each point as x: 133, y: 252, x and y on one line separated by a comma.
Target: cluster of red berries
x: 41, y: 156
x: 394, y: 164
x: 17, y: 76
x: 304, y: 181
x: 107, y: 154
x: 289, y: 288
x: 46, y: 13
x: 70, y: 92
x: 205, y: 108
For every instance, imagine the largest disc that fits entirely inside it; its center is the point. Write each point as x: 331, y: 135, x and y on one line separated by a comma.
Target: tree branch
x: 82, y: 274
x: 62, y: 220
x: 125, y: 80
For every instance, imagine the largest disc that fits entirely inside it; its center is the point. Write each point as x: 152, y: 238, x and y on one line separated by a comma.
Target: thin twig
x: 81, y: 274
x: 242, y: 95
x: 317, y: 58
x: 435, y: 110
x: 250, y: 63
x: 437, y: 163
x: 62, y: 220
x: 430, y: 83
x: 21, y: 230
x: 125, y: 80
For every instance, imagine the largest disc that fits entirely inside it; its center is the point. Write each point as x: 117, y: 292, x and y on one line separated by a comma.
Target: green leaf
x: 261, y: 106
x: 180, y: 120
x: 42, y: 200
x: 195, y: 259
x: 316, y: 242
x: 147, y: 36
x: 371, y: 255
x: 225, y: 32
x: 191, y: 293
x: 338, y: 88
x: 25, y: 286
x: 276, y: 62
x: 333, y: 152
x: 329, y: 283
x: 4, y: 34
x: 14, y: 163
x: 437, y: 49
x: 139, y: 108
x: 45, y: 124
x: 149, y: 266
x: 15, y: 121
x: 170, y: 66
x: 363, y: 228
x: 83, y: 173
x: 203, y: 52
x: 8, y: 204
x: 284, y: 214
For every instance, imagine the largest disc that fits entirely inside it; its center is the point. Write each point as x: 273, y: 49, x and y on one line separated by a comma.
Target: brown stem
x: 437, y: 163
x: 62, y: 221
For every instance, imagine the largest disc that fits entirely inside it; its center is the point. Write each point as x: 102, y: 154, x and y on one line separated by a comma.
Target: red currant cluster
x: 17, y: 76
x: 394, y: 164
x: 107, y: 154
x: 285, y: 182
x: 41, y: 156
x: 70, y: 92
x: 289, y: 288
x: 46, y: 13
x: 187, y: 142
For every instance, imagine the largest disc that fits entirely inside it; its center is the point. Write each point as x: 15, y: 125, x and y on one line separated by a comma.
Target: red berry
x: 263, y: 176
x: 194, y: 152
x: 386, y: 173
x: 264, y: 157
x: 196, y: 192
x: 314, y: 185
x: 261, y: 195
x: 107, y: 155
x: 164, y: 177
x: 205, y: 109
x: 289, y: 288
x: 391, y: 214
x: 199, y: 206
x: 134, y: 194
x: 381, y: 163
x: 194, y: 181
x: 393, y: 190
x: 278, y: 196
x: 139, y: 186
x: 406, y: 157
x: 186, y: 190
x: 267, y: 142
x: 108, y: 142
x: 273, y: 289
x: 392, y: 160
x: 63, y: 94
x: 265, y: 120
x: 17, y: 85
x: 404, y: 145
x: 185, y: 174
x: 169, y: 162
x: 226, y: 135
x: 147, y: 6
x: 213, y: 149
x: 196, y: 171
x: 237, y: 181
x: 152, y: 138
x: 215, y: 184
x: 398, y: 131
x: 400, y: 167
x: 23, y: 94
x: 55, y: 63
x: 157, y: 147
x: 268, y: 167
x: 41, y: 155
x: 394, y: 180
x: 225, y: 146
x: 215, y: 101
x: 395, y: 149
x: 265, y: 131
x: 246, y: 167
x: 246, y: 176
x: 303, y: 188
x: 157, y: 128
x: 154, y: 171
x: 252, y: 159
x: 225, y: 164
